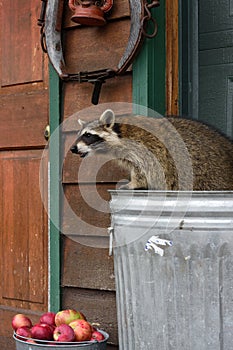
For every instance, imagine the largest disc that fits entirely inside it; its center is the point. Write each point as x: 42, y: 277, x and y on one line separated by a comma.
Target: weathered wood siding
x: 87, y: 271
x: 23, y: 118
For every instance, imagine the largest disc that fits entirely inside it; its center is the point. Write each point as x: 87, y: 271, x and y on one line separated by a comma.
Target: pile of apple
x: 64, y: 326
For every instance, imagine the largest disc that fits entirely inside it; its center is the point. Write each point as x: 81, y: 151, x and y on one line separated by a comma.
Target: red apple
x: 52, y: 327
x: 67, y: 316
x: 82, y: 330
x: 23, y: 332
x: 96, y: 335
x: 64, y: 333
x: 48, y: 318
x: 42, y: 332
x: 20, y: 320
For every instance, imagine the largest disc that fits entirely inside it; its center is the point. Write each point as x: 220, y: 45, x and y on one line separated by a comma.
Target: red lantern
x: 90, y: 12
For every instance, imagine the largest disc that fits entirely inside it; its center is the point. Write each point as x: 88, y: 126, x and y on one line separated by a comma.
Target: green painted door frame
x: 149, y: 69
x: 54, y: 190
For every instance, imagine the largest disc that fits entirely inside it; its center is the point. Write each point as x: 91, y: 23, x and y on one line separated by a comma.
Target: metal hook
x: 147, y: 18
x: 144, y: 26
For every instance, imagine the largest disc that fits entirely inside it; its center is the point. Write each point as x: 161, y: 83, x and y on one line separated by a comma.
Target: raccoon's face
x: 87, y: 142
x: 96, y: 136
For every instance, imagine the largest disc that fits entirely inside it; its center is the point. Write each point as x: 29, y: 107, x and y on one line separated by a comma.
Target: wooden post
x: 172, y: 57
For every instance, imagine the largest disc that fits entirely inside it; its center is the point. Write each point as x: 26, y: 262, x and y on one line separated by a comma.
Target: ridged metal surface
x: 183, y: 300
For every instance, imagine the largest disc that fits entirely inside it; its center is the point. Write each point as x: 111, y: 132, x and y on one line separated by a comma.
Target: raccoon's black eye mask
x: 90, y: 139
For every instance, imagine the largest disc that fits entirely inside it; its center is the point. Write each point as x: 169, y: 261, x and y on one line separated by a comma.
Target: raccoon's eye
x: 87, y: 134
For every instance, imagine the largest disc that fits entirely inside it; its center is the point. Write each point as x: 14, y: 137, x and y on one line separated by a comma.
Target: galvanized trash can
x: 22, y: 344
x: 182, y: 300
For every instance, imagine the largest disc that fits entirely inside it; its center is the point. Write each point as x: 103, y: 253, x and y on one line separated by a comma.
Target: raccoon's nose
x: 74, y: 149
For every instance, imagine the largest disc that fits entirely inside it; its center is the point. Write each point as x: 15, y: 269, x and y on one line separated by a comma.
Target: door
x: 207, y: 27
x: 216, y: 63
x: 23, y: 118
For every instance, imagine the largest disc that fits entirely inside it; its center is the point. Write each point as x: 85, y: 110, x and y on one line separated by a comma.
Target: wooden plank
x: 95, y: 267
x: 24, y: 115
x: 120, y: 9
x: 21, y: 121
x: 90, y: 113
x: 7, y: 343
x: 86, y: 210
x: 23, y: 223
x: 93, y: 48
x: 172, y: 57
x: 21, y: 54
x: 98, y: 306
x: 77, y: 97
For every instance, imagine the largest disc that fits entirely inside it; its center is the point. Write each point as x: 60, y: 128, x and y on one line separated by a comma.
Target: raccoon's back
x: 210, y: 152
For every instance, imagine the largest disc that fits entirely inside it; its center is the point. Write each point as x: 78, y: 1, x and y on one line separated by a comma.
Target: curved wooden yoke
x: 51, y: 31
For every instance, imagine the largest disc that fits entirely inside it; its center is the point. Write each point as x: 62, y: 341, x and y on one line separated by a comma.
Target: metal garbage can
x: 182, y: 299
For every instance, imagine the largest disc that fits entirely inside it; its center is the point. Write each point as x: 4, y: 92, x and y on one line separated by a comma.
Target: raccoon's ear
x: 107, y: 118
x: 81, y: 122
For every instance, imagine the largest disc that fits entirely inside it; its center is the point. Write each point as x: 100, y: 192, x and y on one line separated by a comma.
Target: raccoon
x: 167, y: 153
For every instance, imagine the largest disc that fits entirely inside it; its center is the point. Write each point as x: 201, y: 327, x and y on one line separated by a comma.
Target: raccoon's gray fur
x: 161, y: 153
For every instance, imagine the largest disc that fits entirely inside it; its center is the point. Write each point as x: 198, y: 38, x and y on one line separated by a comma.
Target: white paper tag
x: 151, y: 244
x: 110, y: 232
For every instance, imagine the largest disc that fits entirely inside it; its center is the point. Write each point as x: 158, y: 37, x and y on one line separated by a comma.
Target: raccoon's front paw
x: 125, y: 187
x: 131, y: 186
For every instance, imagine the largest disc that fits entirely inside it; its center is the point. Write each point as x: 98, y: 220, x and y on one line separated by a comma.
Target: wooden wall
x: 23, y: 117
x: 87, y: 269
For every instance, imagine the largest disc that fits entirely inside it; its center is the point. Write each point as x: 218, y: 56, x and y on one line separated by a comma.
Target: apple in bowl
x: 82, y: 330
x: 42, y: 332
x: 67, y: 316
x: 23, y: 332
x: 64, y: 333
x: 20, y: 320
x: 48, y: 318
x: 97, y: 335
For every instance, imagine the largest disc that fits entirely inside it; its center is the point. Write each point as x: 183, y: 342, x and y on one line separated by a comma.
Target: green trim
x: 54, y: 191
x: 149, y: 68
